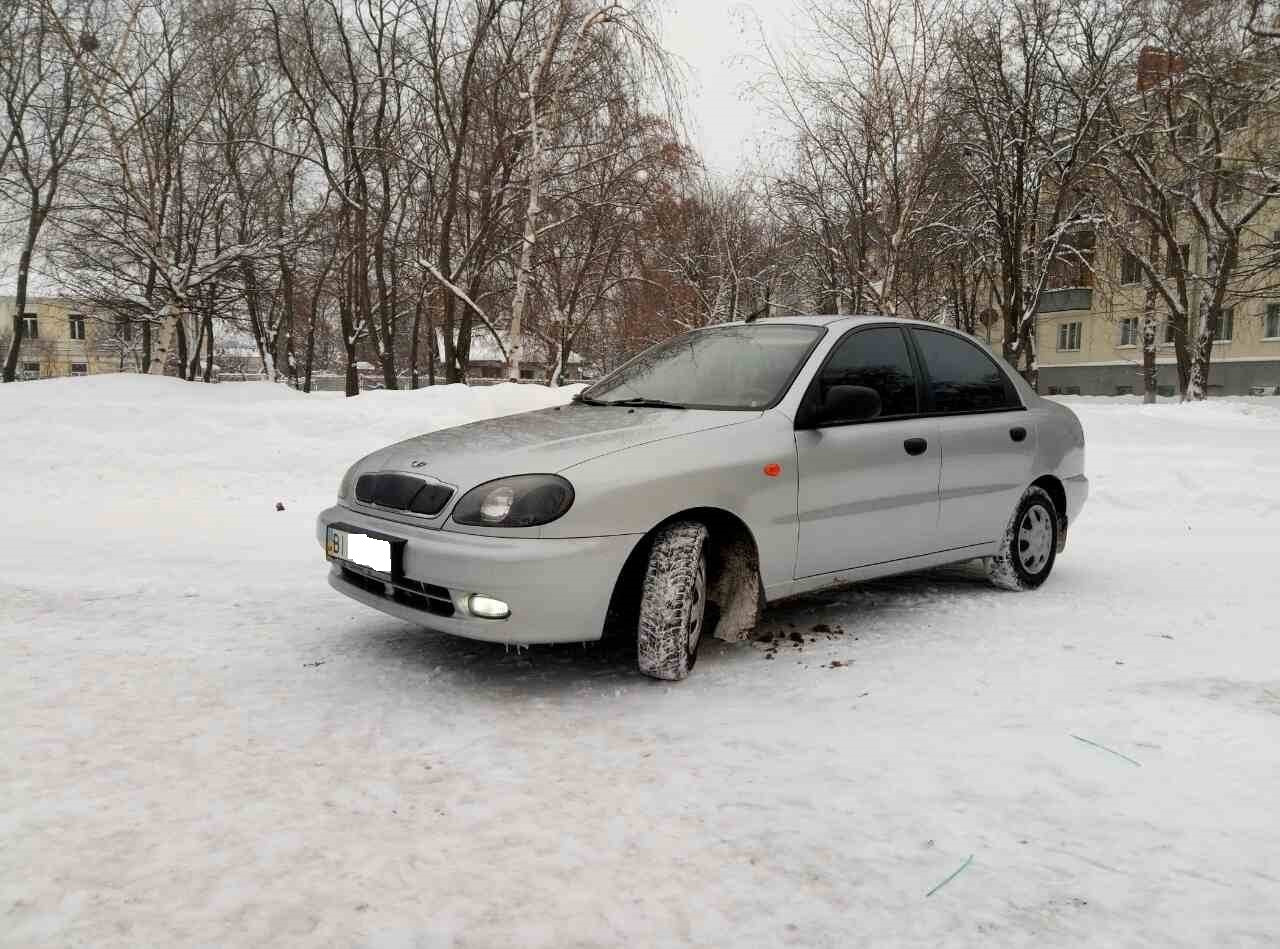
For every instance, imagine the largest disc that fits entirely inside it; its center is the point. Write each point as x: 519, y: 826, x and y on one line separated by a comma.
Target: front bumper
x: 558, y: 590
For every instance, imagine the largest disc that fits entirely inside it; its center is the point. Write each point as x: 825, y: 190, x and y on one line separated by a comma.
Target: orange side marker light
x: 773, y: 469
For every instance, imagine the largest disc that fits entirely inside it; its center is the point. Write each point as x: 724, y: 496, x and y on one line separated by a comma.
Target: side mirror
x: 848, y: 404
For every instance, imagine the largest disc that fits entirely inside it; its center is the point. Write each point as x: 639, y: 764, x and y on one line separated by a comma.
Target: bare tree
x: 1026, y: 102
x: 1196, y: 178
x: 45, y: 106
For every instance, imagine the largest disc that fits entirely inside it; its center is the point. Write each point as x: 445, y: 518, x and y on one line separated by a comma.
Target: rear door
x: 868, y: 490
x: 986, y: 435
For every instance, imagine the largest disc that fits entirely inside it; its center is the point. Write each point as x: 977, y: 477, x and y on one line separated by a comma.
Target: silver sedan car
x: 715, y: 472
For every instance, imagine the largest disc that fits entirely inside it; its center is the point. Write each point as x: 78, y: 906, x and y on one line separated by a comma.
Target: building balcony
x: 1069, y: 298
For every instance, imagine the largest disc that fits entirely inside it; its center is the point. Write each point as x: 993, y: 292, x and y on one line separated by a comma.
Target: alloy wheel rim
x: 1035, y: 539
x: 697, y: 605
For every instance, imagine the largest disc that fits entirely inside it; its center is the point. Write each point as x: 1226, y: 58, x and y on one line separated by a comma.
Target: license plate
x: 359, y: 549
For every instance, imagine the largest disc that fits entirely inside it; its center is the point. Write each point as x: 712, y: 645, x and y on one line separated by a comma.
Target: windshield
x: 729, y: 367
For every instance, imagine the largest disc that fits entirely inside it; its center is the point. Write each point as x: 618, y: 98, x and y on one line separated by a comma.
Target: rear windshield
x: 729, y: 367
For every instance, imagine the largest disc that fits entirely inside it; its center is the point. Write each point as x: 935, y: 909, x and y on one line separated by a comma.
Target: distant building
x: 63, y: 337
x: 488, y: 362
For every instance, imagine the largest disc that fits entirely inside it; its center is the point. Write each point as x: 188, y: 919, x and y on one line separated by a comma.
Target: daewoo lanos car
x: 713, y: 473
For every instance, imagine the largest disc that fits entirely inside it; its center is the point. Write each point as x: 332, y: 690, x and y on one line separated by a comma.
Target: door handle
x: 915, y: 446
x: 1018, y: 433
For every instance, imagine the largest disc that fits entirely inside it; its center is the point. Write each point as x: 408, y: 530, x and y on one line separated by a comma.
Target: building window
x: 124, y: 330
x: 1130, y: 269
x: 30, y: 326
x: 79, y: 368
x: 1226, y: 325
x: 1124, y: 390
x: 1171, y: 264
x: 1068, y: 336
x: 1236, y: 118
x: 30, y: 370
x: 77, y: 325
x: 1271, y: 322
x: 1170, y: 333
x: 1129, y: 331
x: 1230, y: 187
x: 1189, y: 128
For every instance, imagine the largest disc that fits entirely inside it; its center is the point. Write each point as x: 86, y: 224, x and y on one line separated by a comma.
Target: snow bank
x: 200, y: 743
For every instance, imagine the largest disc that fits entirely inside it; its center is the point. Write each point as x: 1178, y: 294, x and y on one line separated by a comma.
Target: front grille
x: 414, y: 593
x: 401, y: 492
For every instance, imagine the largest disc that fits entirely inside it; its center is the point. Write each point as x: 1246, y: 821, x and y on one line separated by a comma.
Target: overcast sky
x: 725, y: 121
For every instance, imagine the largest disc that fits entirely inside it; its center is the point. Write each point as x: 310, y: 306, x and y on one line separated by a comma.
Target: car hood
x: 547, y: 440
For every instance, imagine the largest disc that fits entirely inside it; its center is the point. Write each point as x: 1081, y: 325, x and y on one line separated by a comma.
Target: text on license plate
x: 359, y: 548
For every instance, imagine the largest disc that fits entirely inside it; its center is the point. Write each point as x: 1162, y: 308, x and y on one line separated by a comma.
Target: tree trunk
x: 208, y: 347
x: 181, y: 330
x: 311, y: 351
x: 1202, y: 352
x: 19, y: 304
x: 35, y: 221
x: 146, y: 345
x: 1149, y: 324
x: 413, y: 343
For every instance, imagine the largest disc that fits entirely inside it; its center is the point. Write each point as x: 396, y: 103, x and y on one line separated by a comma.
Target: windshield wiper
x: 587, y: 400
x: 643, y: 402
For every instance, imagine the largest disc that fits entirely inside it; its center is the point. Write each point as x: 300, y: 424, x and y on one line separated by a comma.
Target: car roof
x: 820, y: 319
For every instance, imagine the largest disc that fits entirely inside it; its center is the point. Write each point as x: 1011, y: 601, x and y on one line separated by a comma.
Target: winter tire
x: 1029, y: 545
x: 673, y: 601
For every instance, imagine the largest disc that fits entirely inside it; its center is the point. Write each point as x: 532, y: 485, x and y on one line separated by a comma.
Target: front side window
x: 77, y: 326
x: 877, y: 359
x: 1068, y: 336
x: 1129, y: 331
x: 1271, y: 325
x: 961, y: 376
x: 30, y: 326
x: 744, y: 367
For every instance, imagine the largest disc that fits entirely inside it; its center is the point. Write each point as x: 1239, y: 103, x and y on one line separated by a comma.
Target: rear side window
x: 961, y: 377
x: 877, y: 359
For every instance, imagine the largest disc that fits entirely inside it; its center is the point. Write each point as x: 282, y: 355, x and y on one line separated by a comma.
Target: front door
x: 868, y: 490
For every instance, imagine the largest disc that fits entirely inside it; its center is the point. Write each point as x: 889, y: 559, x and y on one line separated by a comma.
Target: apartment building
x: 61, y: 337
x: 1089, y: 344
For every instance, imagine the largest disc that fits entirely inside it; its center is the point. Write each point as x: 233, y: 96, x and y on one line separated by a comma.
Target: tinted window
x: 735, y: 367
x: 878, y: 360
x: 962, y: 378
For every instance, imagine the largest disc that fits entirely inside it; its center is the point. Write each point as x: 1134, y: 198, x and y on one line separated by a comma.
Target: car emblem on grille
x: 416, y: 463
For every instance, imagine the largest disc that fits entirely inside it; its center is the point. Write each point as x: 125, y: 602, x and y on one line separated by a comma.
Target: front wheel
x: 1030, y: 543
x: 673, y: 601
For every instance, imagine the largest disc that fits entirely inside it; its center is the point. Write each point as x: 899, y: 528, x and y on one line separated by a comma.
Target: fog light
x: 487, y: 607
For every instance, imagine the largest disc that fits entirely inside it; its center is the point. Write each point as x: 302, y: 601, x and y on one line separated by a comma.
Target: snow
x: 201, y: 743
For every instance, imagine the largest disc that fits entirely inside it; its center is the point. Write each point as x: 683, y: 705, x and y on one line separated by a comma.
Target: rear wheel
x: 673, y: 601
x: 1030, y: 543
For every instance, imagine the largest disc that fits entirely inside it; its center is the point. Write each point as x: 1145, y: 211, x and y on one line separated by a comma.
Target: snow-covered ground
x: 201, y: 744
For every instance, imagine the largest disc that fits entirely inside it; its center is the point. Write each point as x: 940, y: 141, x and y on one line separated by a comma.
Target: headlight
x: 348, y: 479
x: 522, y: 501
